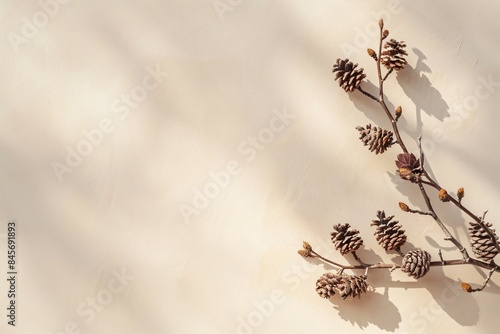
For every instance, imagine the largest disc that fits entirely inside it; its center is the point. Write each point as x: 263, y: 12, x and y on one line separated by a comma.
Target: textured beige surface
x: 241, y: 93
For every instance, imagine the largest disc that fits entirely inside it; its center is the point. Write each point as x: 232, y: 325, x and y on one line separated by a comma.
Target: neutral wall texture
x: 164, y: 161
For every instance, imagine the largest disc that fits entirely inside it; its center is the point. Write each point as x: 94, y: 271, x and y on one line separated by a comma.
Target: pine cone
x: 393, y: 55
x: 347, y: 286
x: 388, y: 232
x: 378, y: 139
x: 326, y: 284
x: 345, y: 240
x: 416, y: 263
x: 481, y: 243
x: 348, y: 75
x: 409, y: 166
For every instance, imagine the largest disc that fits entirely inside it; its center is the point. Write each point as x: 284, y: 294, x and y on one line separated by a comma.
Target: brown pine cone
x: 348, y: 76
x: 393, y: 55
x: 346, y: 240
x: 481, y: 243
x: 388, y: 232
x: 346, y: 285
x: 326, y: 284
x: 378, y: 139
x: 416, y: 263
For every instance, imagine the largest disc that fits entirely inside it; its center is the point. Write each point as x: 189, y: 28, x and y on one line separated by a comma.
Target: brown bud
x: 372, y: 53
x: 306, y: 246
x: 385, y: 33
x: 460, y: 193
x: 381, y: 23
x: 466, y: 287
x: 304, y: 253
x: 399, y: 111
x: 443, y: 195
x: 404, y: 207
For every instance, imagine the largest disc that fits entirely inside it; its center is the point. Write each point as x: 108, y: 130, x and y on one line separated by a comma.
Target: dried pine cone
x: 345, y: 240
x: 416, y: 263
x: 481, y: 243
x: 409, y: 166
x: 348, y: 75
x: 393, y: 55
x: 388, y: 232
x: 378, y: 139
x: 347, y: 286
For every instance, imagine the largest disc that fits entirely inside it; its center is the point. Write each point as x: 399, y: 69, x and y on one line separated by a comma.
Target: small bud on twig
x: 443, y: 195
x: 460, y: 194
x: 385, y: 34
x: 466, y: 287
x: 404, y: 207
x: 372, y: 53
x: 381, y: 23
x: 306, y: 252
x: 399, y: 111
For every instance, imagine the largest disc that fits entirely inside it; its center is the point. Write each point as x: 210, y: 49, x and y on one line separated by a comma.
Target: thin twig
x: 421, y: 151
x: 381, y: 100
x: 420, y: 212
x: 356, y: 257
x: 441, y: 256
x: 449, y: 236
x: 398, y: 250
x: 441, y: 263
x: 335, y: 263
x: 367, y: 94
x: 388, y: 73
x: 486, y: 280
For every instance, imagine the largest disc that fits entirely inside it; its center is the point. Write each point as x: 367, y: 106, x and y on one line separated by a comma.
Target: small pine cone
x: 347, y: 286
x: 326, y: 284
x: 378, y: 139
x: 393, y: 55
x: 481, y: 243
x: 353, y: 286
x: 348, y: 76
x: 388, y: 232
x: 345, y: 240
x: 416, y: 263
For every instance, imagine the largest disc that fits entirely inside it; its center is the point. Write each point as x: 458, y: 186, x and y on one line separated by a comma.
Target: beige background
x: 230, y: 265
